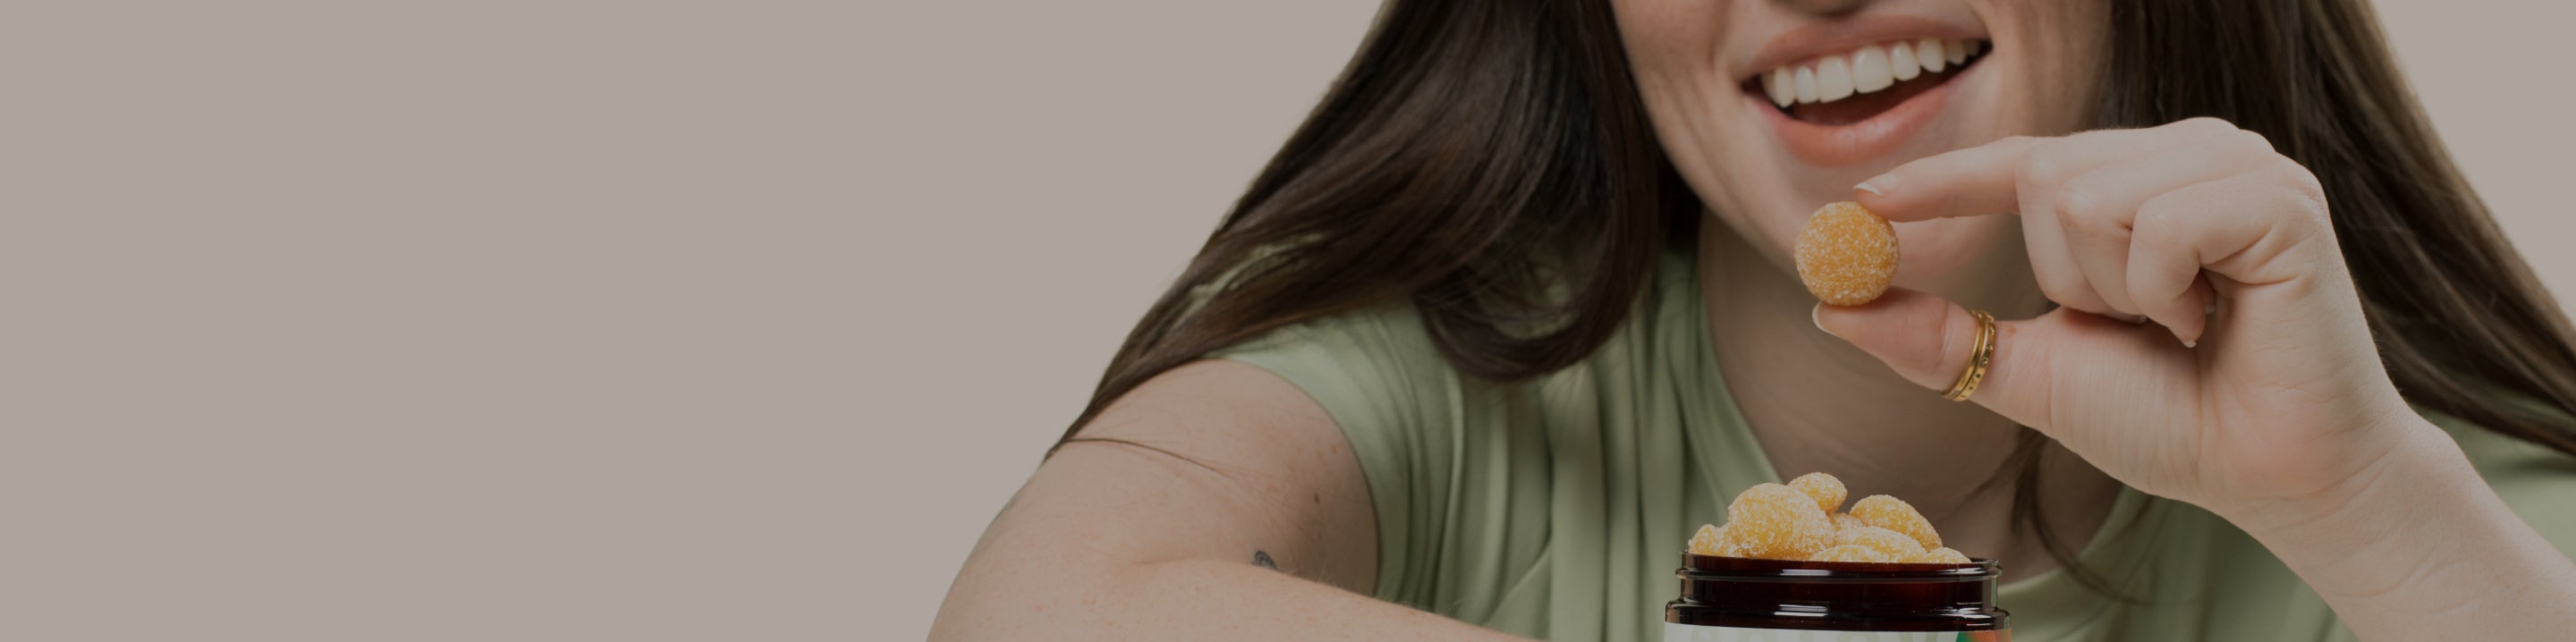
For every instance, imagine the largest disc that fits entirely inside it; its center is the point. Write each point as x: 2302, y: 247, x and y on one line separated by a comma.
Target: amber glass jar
x: 1727, y: 599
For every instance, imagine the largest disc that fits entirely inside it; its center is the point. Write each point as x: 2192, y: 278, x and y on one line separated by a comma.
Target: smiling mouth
x: 1852, y: 86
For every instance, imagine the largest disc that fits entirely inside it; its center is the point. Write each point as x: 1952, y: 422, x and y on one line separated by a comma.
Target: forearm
x: 2420, y: 548
x: 1196, y: 600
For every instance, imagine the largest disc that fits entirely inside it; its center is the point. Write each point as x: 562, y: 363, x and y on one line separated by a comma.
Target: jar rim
x: 1715, y: 566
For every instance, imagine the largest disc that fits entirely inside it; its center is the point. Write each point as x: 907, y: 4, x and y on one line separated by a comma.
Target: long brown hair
x: 1476, y: 151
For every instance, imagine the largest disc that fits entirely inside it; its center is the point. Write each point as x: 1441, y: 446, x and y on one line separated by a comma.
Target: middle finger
x: 2096, y: 210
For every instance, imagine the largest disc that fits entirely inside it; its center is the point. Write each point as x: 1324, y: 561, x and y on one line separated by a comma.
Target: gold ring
x: 1980, y: 355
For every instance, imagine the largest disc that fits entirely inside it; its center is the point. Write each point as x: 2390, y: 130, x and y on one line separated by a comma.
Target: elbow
x: 1006, y: 602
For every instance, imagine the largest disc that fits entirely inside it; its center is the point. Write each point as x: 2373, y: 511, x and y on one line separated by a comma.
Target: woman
x: 1514, y: 312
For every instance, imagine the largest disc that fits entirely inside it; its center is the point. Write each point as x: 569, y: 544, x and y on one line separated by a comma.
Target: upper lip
x: 1828, y: 38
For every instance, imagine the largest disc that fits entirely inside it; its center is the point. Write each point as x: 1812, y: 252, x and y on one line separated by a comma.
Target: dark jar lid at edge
x: 1836, y: 596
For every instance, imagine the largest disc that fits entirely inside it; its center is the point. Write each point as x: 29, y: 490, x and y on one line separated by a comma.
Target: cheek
x: 1672, y: 48
x: 2063, y: 48
x: 1656, y: 31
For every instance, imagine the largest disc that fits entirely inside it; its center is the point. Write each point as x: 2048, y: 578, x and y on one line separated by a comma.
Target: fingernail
x: 1816, y: 315
x: 2191, y: 344
x: 1873, y: 186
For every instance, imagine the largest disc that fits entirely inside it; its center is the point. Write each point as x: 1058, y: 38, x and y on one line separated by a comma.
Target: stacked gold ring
x: 1980, y: 355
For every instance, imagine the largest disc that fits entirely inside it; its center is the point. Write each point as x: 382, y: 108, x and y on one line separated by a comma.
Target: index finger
x: 1989, y: 178
x: 1969, y: 182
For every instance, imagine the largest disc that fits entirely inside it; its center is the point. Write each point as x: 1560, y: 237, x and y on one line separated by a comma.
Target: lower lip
x: 1853, y: 143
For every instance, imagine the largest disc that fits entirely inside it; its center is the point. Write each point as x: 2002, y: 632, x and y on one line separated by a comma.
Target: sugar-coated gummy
x: 1713, y: 540
x: 1845, y: 521
x: 1727, y: 544
x: 1707, y: 540
x: 1846, y: 254
x: 1777, y: 522
x: 1827, y: 490
x: 1797, y: 521
x: 1852, y: 553
x: 1891, y: 543
x: 1894, y: 514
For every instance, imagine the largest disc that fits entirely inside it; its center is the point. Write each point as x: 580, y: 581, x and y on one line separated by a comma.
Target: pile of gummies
x: 1804, y: 521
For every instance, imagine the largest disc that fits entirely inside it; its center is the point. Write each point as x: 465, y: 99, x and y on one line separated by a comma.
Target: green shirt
x: 1556, y: 507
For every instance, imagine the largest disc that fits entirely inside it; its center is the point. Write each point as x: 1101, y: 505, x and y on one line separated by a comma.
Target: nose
x: 1822, y: 7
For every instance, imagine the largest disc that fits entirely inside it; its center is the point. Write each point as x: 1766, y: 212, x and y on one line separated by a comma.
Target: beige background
x: 655, y: 320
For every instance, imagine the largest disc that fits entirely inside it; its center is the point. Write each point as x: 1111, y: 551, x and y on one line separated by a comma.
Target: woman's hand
x: 2209, y: 346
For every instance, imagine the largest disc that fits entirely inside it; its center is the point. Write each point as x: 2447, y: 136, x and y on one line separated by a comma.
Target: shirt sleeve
x: 1382, y: 379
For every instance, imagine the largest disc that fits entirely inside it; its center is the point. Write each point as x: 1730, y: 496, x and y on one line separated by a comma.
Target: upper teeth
x: 1864, y: 70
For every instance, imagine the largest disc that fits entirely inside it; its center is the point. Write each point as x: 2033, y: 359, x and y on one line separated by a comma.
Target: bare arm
x: 2418, y: 547
x: 1157, y: 532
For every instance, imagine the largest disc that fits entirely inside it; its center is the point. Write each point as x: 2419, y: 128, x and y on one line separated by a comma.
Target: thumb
x: 1929, y: 341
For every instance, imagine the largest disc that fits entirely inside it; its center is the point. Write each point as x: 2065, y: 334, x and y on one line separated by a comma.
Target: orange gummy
x: 1845, y: 521
x: 1846, y: 254
x: 1852, y: 553
x: 1942, y: 555
x: 1708, y: 541
x: 1894, y: 514
x: 1827, y: 490
x: 1895, y: 545
x: 1777, y: 522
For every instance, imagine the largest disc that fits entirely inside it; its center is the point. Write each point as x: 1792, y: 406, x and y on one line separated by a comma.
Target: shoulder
x: 1383, y: 363
x: 1367, y: 368
x: 1377, y: 375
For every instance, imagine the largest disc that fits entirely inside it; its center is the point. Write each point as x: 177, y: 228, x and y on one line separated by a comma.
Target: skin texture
x: 2250, y: 388
x: 2271, y: 412
x: 1690, y: 58
x: 1137, y: 541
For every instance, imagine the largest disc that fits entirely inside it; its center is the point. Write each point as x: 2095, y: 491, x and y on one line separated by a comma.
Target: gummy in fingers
x: 1846, y: 254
